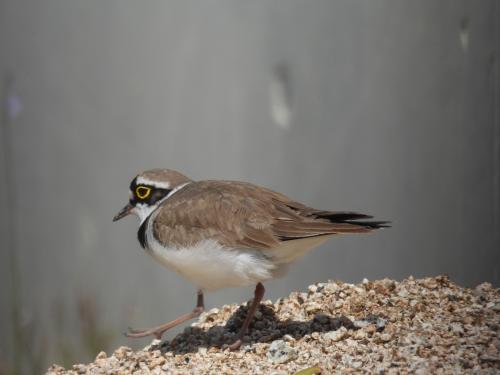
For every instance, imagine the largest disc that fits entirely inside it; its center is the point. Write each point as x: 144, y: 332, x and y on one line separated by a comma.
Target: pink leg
x: 258, y: 294
x: 159, y: 330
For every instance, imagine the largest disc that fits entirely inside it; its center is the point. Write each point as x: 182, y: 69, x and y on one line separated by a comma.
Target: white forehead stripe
x: 144, y: 181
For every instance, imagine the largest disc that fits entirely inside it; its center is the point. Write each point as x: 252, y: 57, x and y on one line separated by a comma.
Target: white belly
x: 209, y: 266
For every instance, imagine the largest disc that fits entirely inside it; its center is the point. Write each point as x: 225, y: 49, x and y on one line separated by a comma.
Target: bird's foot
x: 157, y: 332
x: 235, y: 345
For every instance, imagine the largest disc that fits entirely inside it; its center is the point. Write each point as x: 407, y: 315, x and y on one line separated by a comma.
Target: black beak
x: 123, y: 212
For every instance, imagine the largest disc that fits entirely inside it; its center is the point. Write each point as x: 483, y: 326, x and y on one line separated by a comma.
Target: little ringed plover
x: 220, y: 234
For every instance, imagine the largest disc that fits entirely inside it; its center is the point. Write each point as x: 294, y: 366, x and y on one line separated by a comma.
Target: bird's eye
x: 142, y: 192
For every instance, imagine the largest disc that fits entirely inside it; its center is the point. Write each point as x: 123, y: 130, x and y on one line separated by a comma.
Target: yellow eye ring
x: 142, y: 192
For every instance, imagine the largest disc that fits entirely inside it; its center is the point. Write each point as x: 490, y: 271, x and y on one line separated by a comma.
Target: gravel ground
x: 423, y: 326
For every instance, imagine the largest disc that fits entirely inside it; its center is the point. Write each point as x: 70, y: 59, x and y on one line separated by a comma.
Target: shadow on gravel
x: 266, y: 328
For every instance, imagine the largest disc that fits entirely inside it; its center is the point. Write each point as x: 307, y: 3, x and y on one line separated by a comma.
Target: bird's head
x: 149, y: 189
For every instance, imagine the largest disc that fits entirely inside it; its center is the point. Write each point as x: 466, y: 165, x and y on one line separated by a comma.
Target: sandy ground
x: 423, y: 326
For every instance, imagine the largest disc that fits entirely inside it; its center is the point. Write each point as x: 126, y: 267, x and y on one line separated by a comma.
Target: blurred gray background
x: 383, y: 107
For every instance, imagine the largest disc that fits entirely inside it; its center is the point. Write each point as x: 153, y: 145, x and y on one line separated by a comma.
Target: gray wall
x: 384, y: 107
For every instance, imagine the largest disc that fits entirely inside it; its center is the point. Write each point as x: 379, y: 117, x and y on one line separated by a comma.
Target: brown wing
x: 242, y: 215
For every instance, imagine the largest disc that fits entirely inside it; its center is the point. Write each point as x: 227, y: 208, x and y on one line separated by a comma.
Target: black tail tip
x: 372, y: 224
x: 355, y: 218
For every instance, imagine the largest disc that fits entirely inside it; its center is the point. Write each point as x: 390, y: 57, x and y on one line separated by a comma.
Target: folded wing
x: 242, y: 215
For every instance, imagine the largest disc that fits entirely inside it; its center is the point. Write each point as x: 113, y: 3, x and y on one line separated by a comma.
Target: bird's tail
x: 352, y: 220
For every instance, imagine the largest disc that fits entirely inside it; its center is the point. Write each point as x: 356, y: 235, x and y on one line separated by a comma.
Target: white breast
x: 210, y: 266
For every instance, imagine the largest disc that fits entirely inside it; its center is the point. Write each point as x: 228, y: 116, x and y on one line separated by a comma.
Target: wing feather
x: 242, y: 215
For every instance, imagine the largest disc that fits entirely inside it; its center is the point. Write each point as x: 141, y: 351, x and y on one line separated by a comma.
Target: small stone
x: 380, y: 324
x: 385, y: 337
x: 356, y: 364
x: 79, y: 368
x: 389, y: 284
x: 156, y: 343
x: 157, y: 362
x: 359, y: 334
x: 202, y: 351
x: 483, y: 287
x: 337, y: 335
x: 457, y: 328
x: 313, y: 307
x: 55, y: 369
x: 370, y: 330
x: 155, y: 353
x: 101, y: 355
x: 122, y: 352
x: 280, y: 352
x: 430, y: 283
x: 331, y: 288
x: 403, y: 293
x: 213, y: 311
x: 361, y: 323
x: 312, y: 288
x: 359, y: 290
x: 492, y: 351
x: 288, y: 338
x: 165, y: 367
